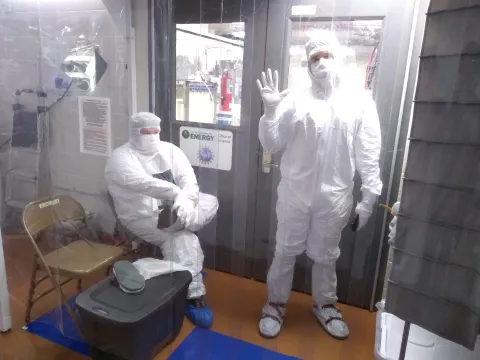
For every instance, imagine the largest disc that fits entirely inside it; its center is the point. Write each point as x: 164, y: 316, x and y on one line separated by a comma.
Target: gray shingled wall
x: 435, y: 272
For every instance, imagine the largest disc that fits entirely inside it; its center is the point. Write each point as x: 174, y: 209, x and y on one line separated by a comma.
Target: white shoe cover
x: 331, y: 320
x: 272, y: 320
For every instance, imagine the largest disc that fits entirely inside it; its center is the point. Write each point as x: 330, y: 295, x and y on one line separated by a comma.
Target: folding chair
x: 75, y: 261
x: 121, y: 230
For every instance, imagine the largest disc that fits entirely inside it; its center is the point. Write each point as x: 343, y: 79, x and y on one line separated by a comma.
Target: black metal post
x: 403, y: 347
x: 163, y: 61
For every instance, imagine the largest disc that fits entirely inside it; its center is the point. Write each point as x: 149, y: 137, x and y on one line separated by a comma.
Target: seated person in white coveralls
x: 146, y: 172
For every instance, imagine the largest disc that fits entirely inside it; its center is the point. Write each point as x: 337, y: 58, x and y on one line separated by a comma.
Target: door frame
x: 367, y: 258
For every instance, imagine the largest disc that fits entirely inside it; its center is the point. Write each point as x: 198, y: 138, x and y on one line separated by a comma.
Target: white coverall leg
x: 291, y: 241
x: 323, y: 248
x: 181, y: 247
x: 292, y: 232
x: 300, y: 229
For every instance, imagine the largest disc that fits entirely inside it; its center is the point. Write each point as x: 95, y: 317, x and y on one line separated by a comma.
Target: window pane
x: 359, y: 39
x: 209, y: 73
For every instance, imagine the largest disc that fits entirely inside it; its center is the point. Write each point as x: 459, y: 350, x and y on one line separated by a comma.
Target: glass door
x: 210, y: 54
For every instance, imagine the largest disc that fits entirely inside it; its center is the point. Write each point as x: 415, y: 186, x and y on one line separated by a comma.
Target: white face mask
x: 146, y: 143
x: 322, y: 69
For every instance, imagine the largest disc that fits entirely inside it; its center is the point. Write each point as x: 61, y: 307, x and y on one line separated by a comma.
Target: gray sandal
x: 128, y: 278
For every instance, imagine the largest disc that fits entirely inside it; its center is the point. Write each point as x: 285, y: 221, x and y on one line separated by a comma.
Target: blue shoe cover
x: 199, y: 313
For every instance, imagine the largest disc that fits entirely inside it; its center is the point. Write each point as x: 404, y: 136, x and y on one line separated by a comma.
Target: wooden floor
x: 236, y: 303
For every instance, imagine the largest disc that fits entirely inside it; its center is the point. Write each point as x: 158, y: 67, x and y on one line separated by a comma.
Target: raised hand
x: 268, y: 88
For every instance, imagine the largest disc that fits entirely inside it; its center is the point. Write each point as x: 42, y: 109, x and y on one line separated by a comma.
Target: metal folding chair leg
x: 63, y: 300
x: 34, y: 282
x: 31, y: 291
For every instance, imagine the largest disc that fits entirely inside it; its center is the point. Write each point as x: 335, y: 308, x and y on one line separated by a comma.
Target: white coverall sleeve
x: 184, y: 174
x: 368, y: 143
x: 125, y: 171
x: 274, y: 132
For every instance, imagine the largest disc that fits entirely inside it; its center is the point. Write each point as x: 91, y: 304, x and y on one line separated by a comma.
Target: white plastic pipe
x: 5, y: 316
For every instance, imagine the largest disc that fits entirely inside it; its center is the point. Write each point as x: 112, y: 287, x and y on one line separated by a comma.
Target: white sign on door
x: 207, y: 148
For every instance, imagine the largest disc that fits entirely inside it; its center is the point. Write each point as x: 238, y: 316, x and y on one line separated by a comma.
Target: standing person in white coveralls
x: 327, y: 131
x: 143, y: 173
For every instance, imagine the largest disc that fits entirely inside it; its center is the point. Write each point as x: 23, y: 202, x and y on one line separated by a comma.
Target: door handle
x: 267, y: 163
x: 270, y: 165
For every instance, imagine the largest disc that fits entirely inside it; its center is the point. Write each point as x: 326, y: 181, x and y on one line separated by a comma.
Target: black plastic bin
x: 117, y: 325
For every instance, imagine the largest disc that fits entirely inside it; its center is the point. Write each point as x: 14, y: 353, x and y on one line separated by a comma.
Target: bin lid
x: 106, y: 300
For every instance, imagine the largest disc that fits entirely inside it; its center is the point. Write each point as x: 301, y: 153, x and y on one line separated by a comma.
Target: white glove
x: 364, y: 208
x: 269, y: 91
x: 363, y: 211
x: 185, y: 209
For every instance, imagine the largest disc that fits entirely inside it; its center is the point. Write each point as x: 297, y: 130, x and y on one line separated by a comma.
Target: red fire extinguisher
x: 226, y: 95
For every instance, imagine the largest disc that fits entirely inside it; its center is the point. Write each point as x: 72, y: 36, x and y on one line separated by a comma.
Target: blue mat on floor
x: 48, y: 327
x: 207, y: 344
x: 199, y: 344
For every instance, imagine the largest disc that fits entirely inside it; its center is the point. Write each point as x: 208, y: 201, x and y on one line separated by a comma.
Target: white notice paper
x: 207, y: 147
x: 95, y: 122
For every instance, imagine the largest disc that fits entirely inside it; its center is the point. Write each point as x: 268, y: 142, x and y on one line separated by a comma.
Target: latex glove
x: 269, y: 91
x: 363, y: 211
x: 185, y: 209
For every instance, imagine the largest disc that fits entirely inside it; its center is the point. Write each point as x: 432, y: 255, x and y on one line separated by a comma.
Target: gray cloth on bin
x: 435, y: 277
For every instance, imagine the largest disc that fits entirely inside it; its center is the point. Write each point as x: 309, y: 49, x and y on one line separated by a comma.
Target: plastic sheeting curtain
x: 53, y: 54
x: 70, y: 72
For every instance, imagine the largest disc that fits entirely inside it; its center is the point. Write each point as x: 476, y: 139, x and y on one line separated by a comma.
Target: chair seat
x: 80, y: 259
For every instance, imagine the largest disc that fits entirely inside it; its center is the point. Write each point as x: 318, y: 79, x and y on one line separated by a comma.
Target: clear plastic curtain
x: 72, y: 74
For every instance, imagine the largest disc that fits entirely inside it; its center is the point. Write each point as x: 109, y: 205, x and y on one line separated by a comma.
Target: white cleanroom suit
x: 143, y: 173
x: 326, y: 131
